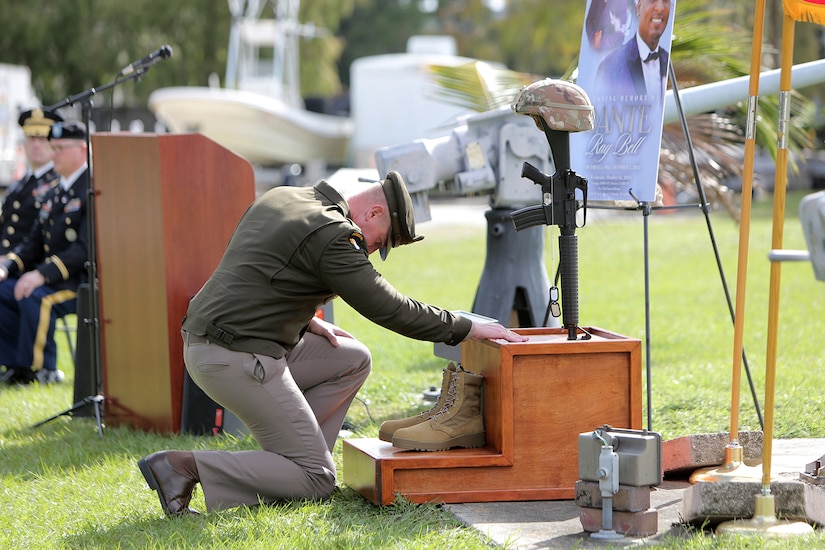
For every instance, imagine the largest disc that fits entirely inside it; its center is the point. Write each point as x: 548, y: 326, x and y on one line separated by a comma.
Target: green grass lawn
x: 62, y: 486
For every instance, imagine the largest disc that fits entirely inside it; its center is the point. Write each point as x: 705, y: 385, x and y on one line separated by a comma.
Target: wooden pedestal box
x: 538, y: 396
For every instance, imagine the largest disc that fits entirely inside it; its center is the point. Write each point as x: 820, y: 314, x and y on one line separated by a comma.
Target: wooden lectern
x: 166, y: 206
x: 539, y: 396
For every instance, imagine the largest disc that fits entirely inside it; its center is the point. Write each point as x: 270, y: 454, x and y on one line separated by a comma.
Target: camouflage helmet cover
x: 562, y: 105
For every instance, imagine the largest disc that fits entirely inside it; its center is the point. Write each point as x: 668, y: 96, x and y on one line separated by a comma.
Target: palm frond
x: 478, y: 86
x: 718, y: 150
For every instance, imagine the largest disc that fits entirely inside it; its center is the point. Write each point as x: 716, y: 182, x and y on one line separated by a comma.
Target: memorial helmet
x: 562, y: 105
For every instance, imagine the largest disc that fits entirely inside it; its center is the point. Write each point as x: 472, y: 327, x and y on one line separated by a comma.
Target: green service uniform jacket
x: 294, y: 250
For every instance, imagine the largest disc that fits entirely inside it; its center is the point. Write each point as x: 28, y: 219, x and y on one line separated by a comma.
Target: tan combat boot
x: 459, y: 424
x: 388, y: 427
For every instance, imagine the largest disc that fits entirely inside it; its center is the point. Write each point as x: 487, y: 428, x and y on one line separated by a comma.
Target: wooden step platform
x: 538, y: 396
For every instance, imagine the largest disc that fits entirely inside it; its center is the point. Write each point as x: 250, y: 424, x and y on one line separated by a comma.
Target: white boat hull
x: 264, y: 130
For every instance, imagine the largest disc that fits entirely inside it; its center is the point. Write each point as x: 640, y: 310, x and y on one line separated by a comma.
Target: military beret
x: 67, y: 130
x: 37, y: 122
x: 402, y: 216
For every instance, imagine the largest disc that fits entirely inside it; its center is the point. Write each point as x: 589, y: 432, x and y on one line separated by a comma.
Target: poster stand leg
x: 706, y: 211
x: 646, y: 211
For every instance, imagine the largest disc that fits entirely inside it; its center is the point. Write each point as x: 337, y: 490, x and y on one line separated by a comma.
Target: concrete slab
x: 557, y: 524
x: 715, y: 502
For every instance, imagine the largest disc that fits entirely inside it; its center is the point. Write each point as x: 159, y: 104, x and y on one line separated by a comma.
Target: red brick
x: 628, y: 499
x: 632, y: 524
x: 690, y: 452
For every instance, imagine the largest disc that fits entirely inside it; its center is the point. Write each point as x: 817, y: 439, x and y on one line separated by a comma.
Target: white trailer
x: 16, y: 95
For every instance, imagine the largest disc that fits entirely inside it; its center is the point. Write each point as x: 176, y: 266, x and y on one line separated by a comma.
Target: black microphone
x: 163, y: 52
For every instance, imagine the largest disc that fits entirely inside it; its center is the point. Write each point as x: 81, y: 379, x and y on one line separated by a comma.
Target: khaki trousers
x: 294, y: 408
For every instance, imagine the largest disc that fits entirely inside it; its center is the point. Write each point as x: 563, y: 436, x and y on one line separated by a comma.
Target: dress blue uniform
x: 21, y: 204
x: 57, y: 247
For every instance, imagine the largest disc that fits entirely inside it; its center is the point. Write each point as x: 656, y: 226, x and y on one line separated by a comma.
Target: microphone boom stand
x: 93, y: 319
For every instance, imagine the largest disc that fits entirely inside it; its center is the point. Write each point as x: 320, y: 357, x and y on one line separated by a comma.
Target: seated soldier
x: 23, y: 199
x: 40, y: 276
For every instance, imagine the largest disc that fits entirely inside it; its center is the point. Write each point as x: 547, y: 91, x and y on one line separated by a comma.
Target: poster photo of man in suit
x: 626, y: 82
x: 639, y: 66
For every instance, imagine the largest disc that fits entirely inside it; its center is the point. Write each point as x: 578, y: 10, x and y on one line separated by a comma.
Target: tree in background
x: 73, y: 46
x: 320, y: 75
x: 378, y: 27
x: 540, y: 37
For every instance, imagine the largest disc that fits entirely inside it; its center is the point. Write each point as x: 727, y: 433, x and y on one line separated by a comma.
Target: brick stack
x: 632, y: 514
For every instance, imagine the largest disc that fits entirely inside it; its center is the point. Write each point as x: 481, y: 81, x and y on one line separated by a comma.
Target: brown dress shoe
x: 174, y: 488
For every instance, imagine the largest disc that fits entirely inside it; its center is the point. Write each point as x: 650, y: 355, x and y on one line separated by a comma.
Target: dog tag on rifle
x: 555, y: 309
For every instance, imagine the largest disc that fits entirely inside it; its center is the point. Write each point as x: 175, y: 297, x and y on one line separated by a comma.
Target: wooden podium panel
x: 539, y: 396
x: 165, y: 207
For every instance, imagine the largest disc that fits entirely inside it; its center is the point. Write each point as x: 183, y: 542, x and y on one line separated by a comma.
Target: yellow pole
x: 780, y: 183
x: 744, y: 226
x: 733, y: 467
x: 764, y: 520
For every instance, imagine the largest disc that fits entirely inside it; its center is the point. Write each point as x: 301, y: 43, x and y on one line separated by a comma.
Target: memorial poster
x: 623, y: 67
